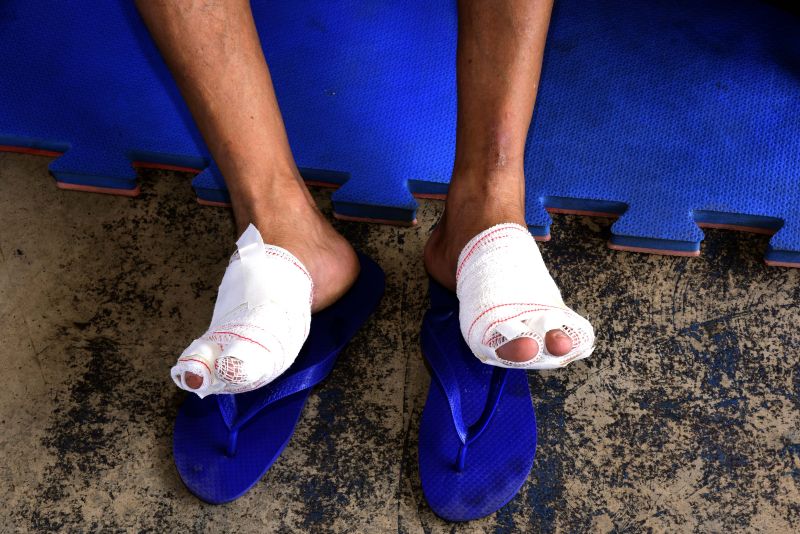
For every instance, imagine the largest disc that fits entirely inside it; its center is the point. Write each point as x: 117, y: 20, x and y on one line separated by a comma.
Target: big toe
x: 192, y: 380
x: 558, y: 343
x: 521, y: 349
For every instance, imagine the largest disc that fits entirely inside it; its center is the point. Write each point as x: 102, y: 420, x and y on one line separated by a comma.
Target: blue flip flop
x: 223, y: 444
x: 477, y: 437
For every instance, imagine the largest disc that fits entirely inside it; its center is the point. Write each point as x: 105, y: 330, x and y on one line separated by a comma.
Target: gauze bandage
x: 505, y: 292
x: 260, y: 322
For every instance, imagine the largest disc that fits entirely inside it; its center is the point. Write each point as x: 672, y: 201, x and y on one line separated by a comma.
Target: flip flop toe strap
x: 474, y: 431
x: 281, y: 388
x: 446, y: 377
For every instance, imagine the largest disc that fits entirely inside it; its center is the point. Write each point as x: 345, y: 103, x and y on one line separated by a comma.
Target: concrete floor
x: 685, y: 419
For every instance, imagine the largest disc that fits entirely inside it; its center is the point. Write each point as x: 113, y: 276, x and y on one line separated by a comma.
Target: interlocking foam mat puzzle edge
x: 670, y: 116
x: 735, y: 222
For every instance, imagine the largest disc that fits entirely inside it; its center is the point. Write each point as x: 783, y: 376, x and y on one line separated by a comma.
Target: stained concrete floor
x: 686, y: 419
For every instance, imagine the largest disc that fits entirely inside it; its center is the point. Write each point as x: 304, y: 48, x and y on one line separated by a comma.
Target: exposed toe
x: 192, y: 380
x: 558, y: 343
x: 519, y: 350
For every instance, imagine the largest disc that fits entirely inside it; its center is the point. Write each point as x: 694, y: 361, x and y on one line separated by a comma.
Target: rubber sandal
x: 223, y: 444
x: 477, y: 437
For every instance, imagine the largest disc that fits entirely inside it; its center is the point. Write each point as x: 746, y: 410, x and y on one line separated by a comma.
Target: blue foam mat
x: 670, y: 114
x: 665, y: 112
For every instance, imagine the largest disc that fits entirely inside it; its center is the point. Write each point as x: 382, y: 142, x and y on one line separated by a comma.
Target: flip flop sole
x: 200, y: 446
x: 497, y: 464
x: 500, y: 459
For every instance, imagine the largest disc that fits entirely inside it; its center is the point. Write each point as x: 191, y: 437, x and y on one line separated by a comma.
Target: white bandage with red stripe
x: 505, y: 292
x: 261, y: 320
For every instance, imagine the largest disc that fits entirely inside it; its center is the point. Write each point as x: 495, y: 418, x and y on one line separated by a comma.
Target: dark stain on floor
x: 686, y: 418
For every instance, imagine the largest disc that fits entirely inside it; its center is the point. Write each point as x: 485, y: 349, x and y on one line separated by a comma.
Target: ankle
x: 477, y: 198
x: 272, y: 205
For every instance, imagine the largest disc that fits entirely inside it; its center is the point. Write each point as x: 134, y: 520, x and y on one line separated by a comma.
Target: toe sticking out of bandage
x: 260, y: 322
x: 505, y: 292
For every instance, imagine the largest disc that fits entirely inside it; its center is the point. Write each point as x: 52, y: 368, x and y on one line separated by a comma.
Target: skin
x: 500, y: 49
x: 214, y: 53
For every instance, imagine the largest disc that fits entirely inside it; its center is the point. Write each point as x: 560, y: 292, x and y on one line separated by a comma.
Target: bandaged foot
x: 505, y: 293
x: 261, y: 320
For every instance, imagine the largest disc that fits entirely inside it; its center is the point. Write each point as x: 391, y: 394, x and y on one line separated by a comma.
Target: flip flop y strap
x: 235, y: 417
x: 261, y: 320
x: 505, y: 292
x: 446, y: 377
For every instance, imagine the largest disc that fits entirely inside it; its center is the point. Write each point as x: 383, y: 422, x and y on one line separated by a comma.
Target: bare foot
x: 477, y: 203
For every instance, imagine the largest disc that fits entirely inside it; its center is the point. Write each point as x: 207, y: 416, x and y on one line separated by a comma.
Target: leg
x: 500, y: 48
x: 214, y: 53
